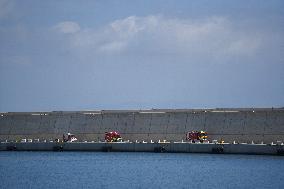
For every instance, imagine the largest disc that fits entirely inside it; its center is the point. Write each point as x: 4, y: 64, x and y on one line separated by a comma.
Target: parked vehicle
x: 112, y: 136
x: 196, y: 136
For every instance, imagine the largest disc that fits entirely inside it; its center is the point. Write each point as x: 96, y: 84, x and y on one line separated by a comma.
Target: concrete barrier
x: 257, y: 149
x: 240, y: 125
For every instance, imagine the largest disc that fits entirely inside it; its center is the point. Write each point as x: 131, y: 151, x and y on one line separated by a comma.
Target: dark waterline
x: 138, y: 170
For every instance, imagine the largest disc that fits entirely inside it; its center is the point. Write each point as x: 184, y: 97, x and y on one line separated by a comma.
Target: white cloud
x: 67, y: 27
x: 113, y: 46
x: 213, y: 37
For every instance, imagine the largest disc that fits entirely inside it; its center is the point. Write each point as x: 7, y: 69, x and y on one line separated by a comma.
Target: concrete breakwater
x: 241, y: 125
x: 257, y: 149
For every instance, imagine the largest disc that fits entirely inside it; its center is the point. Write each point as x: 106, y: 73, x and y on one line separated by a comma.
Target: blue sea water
x: 138, y: 170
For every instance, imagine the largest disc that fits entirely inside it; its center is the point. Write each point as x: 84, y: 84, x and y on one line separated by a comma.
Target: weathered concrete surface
x: 240, y: 125
x: 257, y: 149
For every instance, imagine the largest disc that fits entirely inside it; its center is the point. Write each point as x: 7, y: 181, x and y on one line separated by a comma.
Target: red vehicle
x: 112, y: 136
x: 196, y: 135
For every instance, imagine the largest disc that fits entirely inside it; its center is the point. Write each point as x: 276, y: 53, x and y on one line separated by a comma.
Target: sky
x: 140, y: 54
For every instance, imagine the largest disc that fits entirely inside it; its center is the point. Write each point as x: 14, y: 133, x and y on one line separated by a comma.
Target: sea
x: 116, y: 170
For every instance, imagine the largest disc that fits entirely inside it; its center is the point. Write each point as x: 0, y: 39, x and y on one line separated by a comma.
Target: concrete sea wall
x: 240, y: 125
x: 257, y: 149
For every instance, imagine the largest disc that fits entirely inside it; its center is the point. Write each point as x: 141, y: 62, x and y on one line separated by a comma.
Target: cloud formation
x: 67, y: 27
x: 213, y: 37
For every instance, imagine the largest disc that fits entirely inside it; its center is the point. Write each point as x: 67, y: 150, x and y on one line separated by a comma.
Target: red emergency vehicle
x: 196, y: 135
x: 112, y: 136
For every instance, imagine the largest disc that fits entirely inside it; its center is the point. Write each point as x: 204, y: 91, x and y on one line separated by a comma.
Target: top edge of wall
x: 149, y: 111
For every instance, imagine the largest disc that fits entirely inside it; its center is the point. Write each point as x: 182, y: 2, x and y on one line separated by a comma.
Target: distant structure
x: 239, y: 125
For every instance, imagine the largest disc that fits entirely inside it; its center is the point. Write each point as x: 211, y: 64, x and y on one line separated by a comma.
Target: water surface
x: 138, y: 170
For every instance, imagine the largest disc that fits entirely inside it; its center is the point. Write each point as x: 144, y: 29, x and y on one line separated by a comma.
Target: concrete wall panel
x: 125, y: 123
x: 158, y: 123
x: 195, y: 121
x: 177, y: 123
x: 235, y: 122
x: 93, y: 124
x: 142, y: 123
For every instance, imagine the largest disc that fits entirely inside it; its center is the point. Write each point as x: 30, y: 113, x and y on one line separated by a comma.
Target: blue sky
x: 102, y: 54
